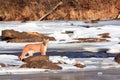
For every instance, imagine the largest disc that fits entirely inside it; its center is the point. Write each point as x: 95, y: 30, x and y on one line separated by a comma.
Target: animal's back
x: 34, y: 47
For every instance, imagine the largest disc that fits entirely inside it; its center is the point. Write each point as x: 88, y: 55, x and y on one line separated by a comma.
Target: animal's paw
x: 19, y: 57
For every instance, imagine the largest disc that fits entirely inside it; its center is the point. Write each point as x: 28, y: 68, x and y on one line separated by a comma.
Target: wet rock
x: 90, y: 40
x: 2, y: 65
x: 39, y: 62
x: 12, y: 36
x: 104, y: 35
x: 117, y: 58
x: 79, y: 65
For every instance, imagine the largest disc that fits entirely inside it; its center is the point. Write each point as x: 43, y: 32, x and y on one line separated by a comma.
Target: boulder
x: 36, y: 58
x: 39, y: 62
x: 2, y: 65
x: 12, y: 36
x: 104, y: 35
x: 117, y: 58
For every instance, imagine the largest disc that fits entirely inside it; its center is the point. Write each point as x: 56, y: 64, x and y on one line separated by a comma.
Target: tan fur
x: 33, y: 48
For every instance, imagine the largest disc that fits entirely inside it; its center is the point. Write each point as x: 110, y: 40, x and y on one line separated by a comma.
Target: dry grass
x: 70, y: 10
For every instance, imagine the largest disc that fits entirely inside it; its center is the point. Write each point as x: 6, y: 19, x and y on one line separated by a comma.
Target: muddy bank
x: 25, y: 10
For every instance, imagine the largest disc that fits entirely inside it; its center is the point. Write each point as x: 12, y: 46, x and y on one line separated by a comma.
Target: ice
x: 68, y: 64
x: 64, y: 59
x: 68, y: 67
x: 65, y: 33
x: 10, y: 60
x: 59, y: 36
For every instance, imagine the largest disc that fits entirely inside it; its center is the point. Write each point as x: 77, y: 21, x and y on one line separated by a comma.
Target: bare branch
x: 60, y: 3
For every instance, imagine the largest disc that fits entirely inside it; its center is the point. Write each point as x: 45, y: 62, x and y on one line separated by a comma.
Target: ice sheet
x: 59, y: 29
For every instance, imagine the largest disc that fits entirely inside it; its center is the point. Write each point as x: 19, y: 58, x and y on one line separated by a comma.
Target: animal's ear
x: 46, y: 40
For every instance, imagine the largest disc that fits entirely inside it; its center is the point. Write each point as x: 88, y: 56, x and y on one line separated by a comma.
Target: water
x: 111, y: 74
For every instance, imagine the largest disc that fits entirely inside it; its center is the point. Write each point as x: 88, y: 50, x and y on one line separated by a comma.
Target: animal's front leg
x: 24, y: 52
x: 43, y: 50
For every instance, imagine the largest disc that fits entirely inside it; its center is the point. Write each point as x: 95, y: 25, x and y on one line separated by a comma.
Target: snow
x: 64, y: 59
x: 60, y: 30
x: 67, y: 65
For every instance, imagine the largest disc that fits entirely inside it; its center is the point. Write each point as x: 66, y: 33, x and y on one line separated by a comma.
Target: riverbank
x: 27, y: 10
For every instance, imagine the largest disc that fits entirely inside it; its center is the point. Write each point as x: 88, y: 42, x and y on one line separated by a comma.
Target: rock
x: 24, y: 66
x: 104, y: 35
x: 79, y: 65
x: 117, y: 58
x: 36, y: 58
x: 91, y: 40
x: 39, y: 62
x: 12, y: 36
x: 2, y: 65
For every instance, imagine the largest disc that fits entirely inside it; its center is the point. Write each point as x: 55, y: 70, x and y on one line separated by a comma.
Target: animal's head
x: 45, y: 41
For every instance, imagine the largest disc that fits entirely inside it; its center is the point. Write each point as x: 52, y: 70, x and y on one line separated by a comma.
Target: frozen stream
x: 98, y: 57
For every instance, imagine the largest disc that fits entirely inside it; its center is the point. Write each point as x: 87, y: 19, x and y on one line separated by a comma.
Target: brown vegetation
x: 24, y: 10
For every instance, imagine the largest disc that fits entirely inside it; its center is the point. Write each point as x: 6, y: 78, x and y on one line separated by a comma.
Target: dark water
x: 82, y: 54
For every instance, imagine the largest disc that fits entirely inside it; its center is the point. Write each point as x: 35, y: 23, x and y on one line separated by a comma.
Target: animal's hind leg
x: 31, y: 53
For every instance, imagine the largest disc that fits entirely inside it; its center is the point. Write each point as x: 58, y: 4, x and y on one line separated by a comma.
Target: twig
x: 60, y: 3
x: 117, y: 15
